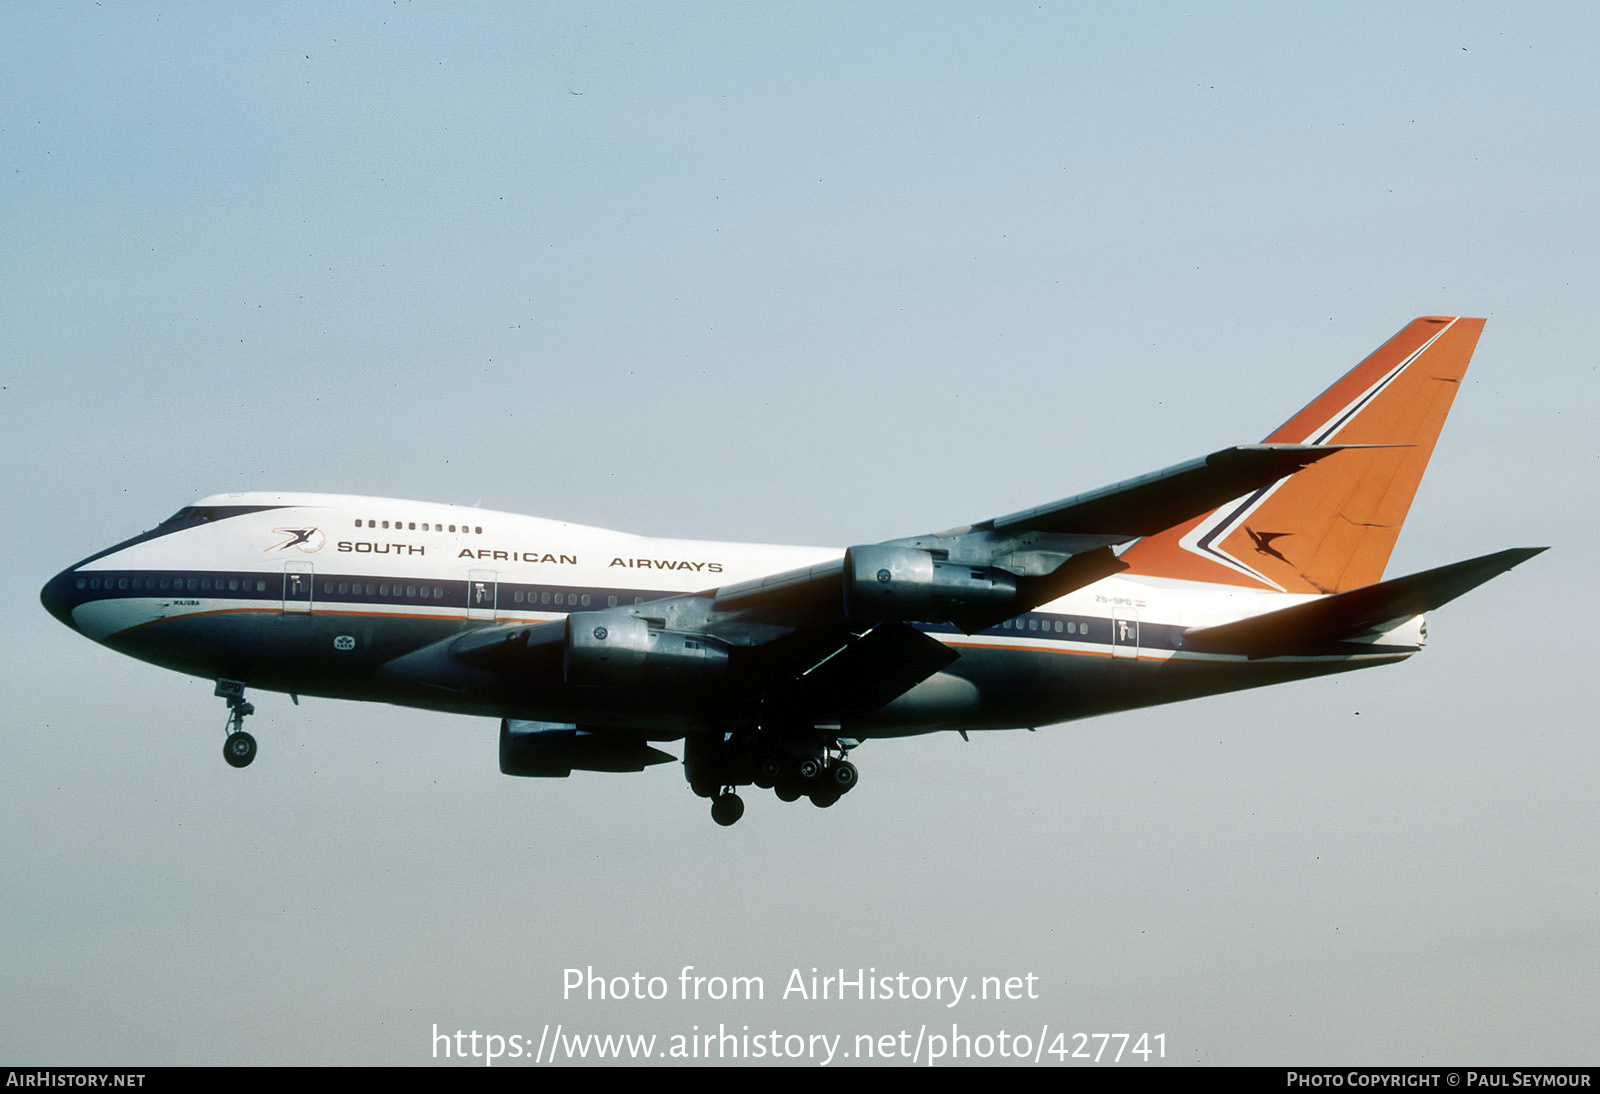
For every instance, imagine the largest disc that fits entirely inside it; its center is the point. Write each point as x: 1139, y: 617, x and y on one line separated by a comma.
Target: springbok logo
x: 308, y: 540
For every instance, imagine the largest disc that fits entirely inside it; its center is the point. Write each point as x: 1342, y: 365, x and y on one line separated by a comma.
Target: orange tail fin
x: 1331, y: 527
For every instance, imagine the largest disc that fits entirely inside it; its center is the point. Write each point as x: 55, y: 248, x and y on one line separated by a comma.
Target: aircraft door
x: 482, y: 588
x: 298, y: 581
x: 1124, y: 632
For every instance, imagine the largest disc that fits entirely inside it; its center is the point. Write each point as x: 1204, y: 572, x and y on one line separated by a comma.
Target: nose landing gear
x: 727, y: 808
x: 239, y: 748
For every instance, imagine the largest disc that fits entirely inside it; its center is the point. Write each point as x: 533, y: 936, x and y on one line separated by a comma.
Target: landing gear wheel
x: 822, y: 799
x: 809, y: 768
x: 239, y: 749
x: 787, y: 791
x: 843, y: 775
x: 768, y: 772
x: 727, y: 809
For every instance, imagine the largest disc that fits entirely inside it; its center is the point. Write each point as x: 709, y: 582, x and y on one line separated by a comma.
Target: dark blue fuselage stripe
x: 267, y: 587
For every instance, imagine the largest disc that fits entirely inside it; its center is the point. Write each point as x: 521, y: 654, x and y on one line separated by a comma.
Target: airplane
x: 1253, y: 565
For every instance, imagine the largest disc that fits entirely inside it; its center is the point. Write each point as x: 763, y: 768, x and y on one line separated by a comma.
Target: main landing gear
x: 812, y: 765
x: 239, y: 748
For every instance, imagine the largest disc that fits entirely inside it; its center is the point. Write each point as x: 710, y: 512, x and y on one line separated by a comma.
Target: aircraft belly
x: 1015, y: 689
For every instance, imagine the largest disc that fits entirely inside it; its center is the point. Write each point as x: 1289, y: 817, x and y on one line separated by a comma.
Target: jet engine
x: 884, y: 582
x: 607, y: 649
x: 555, y: 749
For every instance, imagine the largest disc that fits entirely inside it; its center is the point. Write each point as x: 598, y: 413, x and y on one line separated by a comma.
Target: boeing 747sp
x: 1253, y: 565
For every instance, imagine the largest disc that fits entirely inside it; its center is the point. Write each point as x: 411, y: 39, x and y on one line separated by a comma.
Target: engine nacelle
x: 605, y: 649
x: 553, y: 750
x: 882, y: 582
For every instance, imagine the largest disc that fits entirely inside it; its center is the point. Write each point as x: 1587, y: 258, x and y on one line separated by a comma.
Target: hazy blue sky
x: 820, y: 274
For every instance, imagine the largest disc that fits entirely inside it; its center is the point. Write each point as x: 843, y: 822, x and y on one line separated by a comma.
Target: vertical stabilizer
x: 1331, y: 527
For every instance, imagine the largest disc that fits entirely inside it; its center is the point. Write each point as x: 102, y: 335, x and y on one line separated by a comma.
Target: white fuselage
x: 314, y: 593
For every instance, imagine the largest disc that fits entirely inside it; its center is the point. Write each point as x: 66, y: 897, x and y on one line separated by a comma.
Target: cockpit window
x: 191, y: 514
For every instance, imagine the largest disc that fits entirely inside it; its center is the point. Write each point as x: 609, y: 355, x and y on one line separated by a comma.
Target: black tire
x: 787, y: 791
x: 768, y: 771
x: 823, y: 799
x: 808, y: 768
x: 727, y: 809
x: 239, y: 749
x: 844, y: 776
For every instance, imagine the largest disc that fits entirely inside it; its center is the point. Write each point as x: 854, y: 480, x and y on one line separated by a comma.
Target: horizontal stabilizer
x: 1356, y: 613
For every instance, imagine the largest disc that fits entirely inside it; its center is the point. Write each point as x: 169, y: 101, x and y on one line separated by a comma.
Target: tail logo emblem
x: 1263, y: 542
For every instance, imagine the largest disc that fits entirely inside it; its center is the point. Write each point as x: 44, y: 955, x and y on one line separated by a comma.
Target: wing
x: 979, y: 574
x: 849, y: 636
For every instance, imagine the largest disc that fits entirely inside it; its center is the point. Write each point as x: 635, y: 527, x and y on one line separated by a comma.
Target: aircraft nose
x: 57, y: 596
